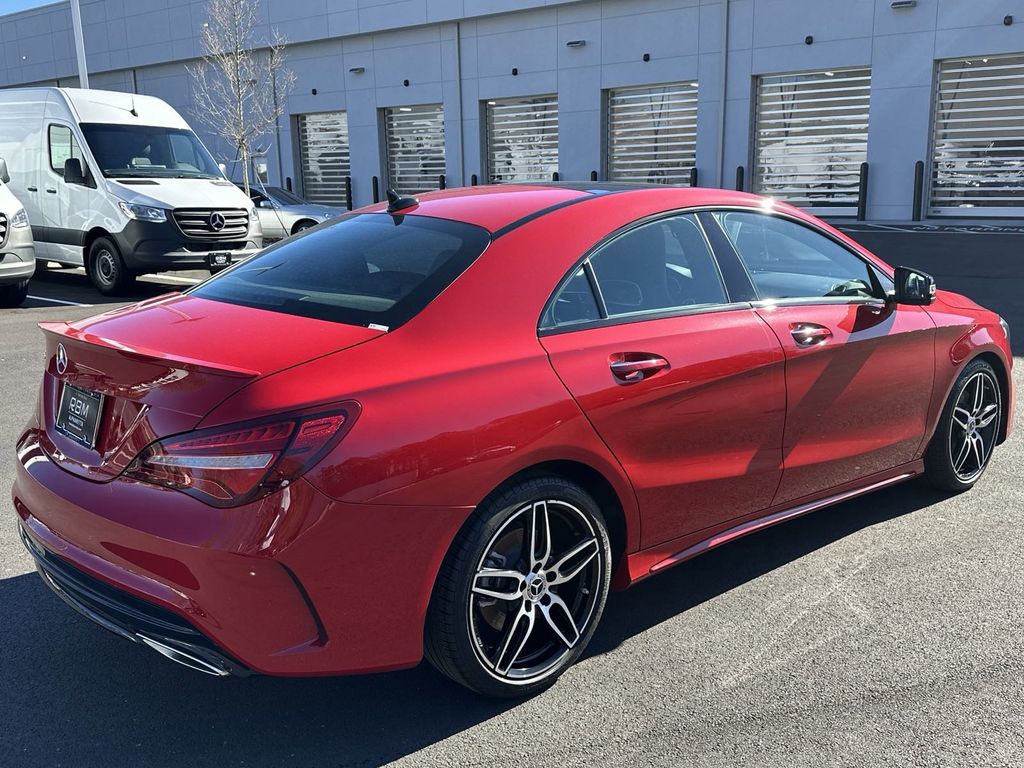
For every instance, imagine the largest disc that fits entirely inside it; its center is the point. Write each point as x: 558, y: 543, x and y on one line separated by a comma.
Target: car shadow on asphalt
x: 71, y: 693
x: 73, y: 285
x: 715, y: 573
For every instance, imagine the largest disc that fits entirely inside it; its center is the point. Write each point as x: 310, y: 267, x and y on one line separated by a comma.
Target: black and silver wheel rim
x: 106, y: 266
x: 535, y: 591
x: 974, y: 426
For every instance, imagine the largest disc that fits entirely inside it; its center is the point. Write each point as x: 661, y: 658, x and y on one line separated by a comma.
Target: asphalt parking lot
x: 884, y: 631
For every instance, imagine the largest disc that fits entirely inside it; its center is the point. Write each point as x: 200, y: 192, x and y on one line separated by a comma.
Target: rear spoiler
x: 62, y: 329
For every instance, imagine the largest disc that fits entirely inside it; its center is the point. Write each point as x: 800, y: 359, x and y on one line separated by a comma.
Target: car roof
x: 500, y: 208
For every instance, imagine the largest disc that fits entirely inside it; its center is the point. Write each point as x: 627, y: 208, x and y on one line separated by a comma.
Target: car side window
x: 63, y: 146
x: 787, y: 260
x: 665, y: 264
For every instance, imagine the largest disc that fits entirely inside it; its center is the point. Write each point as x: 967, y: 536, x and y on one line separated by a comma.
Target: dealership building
x: 890, y: 109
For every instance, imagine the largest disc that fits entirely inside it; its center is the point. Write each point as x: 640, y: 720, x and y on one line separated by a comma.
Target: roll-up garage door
x: 810, y: 137
x: 323, y: 156
x: 415, y: 147
x: 652, y: 133
x: 978, y: 140
x: 522, y: 138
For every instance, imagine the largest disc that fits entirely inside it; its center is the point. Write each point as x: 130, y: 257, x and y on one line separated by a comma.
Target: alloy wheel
x: 974, y: 426
x: 534, y: 591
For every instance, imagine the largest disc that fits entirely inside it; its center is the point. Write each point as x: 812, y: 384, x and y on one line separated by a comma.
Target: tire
x: 107, y: 269
x: 968, y: 429
x: 302, y: 226
x: 535, y: 621
x: 13, y: 295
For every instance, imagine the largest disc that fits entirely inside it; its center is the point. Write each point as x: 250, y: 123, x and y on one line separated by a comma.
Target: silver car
x: 283, y: 213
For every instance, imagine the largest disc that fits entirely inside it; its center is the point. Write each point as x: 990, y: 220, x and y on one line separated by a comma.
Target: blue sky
x: 10, y: 6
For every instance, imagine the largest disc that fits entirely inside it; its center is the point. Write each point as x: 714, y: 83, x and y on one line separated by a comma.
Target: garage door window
x: 324, y: 156
x: 415, y: 147
x: 978, y: 140
x: 522, y: 138
x: 652, y: 133
x: 811, y: 136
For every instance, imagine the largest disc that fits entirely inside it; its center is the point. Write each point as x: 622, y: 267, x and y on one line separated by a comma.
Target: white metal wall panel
x: 810, y: 137
x: 415, y: 147
x: 324, y: 156
x: 652, y: 133
x: 522, y: 138
x: 978, y: 137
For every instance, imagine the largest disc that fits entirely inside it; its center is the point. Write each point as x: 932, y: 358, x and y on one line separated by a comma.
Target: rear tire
x: 107, y: 269
x: 968, y: 429
x: 13, y: 295
x: 302, y: 226
x: 514, y: 633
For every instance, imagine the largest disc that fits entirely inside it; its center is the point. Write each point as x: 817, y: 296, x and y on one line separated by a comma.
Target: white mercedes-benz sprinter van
x: 17, y: 256
x: 119, y: 183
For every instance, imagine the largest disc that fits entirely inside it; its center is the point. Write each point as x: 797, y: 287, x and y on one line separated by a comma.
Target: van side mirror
x: 223, y: 169
x: 73, y: 173
x: 5, y: 177
x: 913, y: 287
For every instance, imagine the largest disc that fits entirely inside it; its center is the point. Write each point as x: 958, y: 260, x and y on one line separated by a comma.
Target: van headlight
x: 143, y: 212
x: 253, y: 215
x: 19, y: 219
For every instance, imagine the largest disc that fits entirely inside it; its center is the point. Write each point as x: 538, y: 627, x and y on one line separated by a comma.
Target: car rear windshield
x: 363, y: 269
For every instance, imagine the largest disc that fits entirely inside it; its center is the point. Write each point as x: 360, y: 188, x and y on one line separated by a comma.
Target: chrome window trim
x: 638, y: 317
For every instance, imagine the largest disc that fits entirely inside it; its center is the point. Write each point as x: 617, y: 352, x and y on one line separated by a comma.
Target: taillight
x: 236, y: 464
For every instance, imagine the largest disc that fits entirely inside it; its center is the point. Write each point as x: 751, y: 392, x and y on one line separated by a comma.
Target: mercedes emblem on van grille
x: 62, y: 359
x: 217, y: 221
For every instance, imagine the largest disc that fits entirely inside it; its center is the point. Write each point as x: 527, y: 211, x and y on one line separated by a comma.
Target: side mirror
x: 914, y: 287
x: 267, y: 204
x: 5, y: 177
x: 223, y: 169
x: 73, y: 173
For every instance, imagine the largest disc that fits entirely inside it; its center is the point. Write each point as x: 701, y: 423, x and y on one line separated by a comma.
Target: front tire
x: 522, y: 589
x: 107, y: 269
x: 968, y: 429
x: 13, y: 295
x: 302, y: 226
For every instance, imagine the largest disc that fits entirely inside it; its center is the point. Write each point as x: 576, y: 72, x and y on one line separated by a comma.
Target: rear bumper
x: 128, y: 616
x: 294, y: 584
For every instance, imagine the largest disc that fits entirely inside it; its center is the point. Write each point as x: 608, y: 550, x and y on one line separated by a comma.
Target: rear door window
x: 366, y: 269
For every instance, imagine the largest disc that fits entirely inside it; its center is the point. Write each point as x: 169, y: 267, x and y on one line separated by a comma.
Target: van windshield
x: 146, y: 151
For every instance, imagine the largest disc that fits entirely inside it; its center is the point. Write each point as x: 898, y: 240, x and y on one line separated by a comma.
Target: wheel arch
x: 91, y: 237
x: 300, y: 222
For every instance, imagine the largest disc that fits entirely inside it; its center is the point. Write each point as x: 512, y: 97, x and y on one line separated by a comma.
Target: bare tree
x: 240, y: 83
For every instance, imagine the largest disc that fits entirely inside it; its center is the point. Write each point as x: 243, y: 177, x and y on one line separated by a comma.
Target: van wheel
x: 13, y: 295
x: 106, y: 268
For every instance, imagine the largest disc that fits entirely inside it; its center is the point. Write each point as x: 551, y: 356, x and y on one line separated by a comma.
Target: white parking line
x: 59, y: 301
x: 175, y: 279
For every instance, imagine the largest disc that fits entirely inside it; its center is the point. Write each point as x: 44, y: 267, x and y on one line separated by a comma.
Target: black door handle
x: 51, y: 191
x: 32, y: 189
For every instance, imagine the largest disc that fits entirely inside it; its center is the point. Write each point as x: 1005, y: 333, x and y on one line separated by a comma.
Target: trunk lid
x: 163, y: 364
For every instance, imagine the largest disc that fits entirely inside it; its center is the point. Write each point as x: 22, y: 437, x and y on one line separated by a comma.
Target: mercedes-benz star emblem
x: 217, y: 221
x: 62, y: 359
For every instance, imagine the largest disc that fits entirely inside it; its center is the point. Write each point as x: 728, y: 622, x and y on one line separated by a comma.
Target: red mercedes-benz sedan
x: 447, y: 426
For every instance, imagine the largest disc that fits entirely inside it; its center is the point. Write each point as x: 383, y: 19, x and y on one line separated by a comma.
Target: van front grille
x: 3, y: 229
x: 213, y: 223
